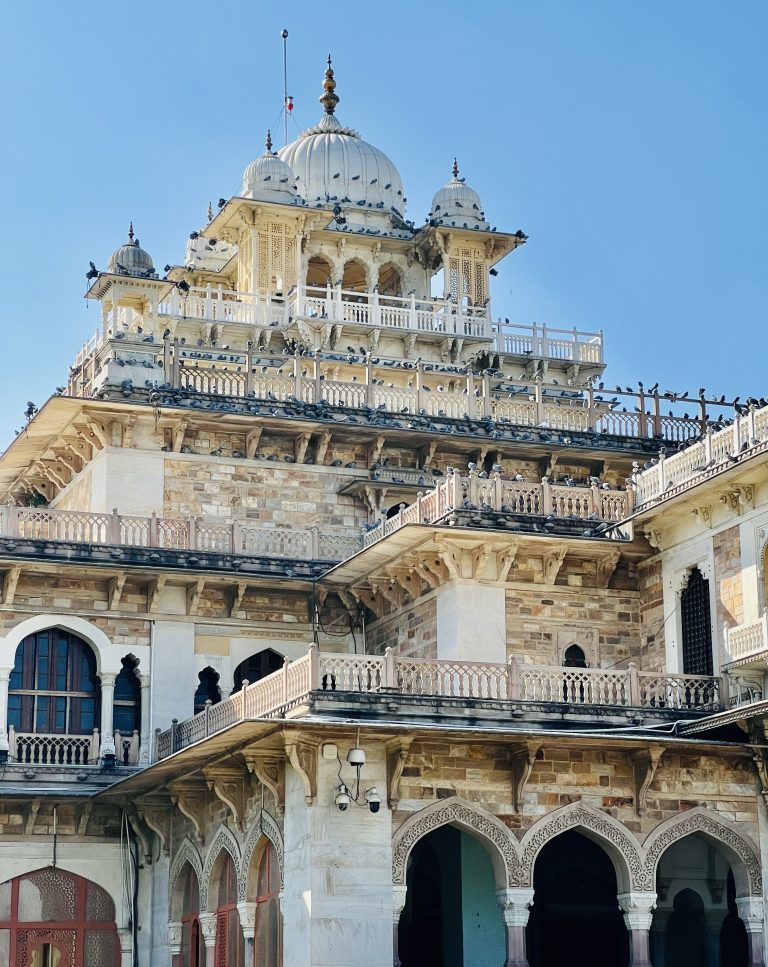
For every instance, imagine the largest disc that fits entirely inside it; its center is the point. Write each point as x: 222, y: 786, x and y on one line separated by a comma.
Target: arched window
x: 390, y: 280
x: 207, y: 689
x: 256, y: 667
x: 268, y: 927
x: 318, y: 272
x: 574, y: 657
x: 230, y: 946
x: 355, y: 278
x: 127, y: 710
x: 696, y: 626
x: 192, y: 948
x: 51, y: 918
x: 54, y: 688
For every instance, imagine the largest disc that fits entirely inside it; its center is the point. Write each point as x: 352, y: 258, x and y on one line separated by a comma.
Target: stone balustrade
x: 717, y: 450
x: 495, y: 492
x: 37, y: 748
x: 747, y: 640
x: 391, y: 675
x: 192, y: 534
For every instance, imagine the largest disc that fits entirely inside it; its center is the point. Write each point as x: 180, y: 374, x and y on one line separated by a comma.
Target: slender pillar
x: 638, y: 915
x: 752, y: 912
x: 5, y: 674
x: 144, y: 743
x: 208, y: 930
x: 399, y: 891
x: 126, y: 946
x: 515, y: 904
x: 107, y: 711
x: 175, y: 934
x: 247, y: 912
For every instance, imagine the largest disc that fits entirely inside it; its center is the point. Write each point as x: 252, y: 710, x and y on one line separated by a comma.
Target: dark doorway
x: 696, y: 626
x: 256, y: 667
x: 734, y: 946
x: 575, y: 919
x: 686, y: 940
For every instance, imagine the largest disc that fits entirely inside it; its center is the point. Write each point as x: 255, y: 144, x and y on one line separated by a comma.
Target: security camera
x: 373, y: 799
x: 356, y: 757
x: 342, y: 798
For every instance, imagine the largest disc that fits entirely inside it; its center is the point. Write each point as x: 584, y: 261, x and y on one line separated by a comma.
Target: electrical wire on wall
x: 356, y: 623
x: 129, y: 874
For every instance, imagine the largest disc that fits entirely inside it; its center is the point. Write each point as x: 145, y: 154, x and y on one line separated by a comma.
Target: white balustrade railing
x: 505, y: 495
x: 193, y: 534
x: 42, y: 749
x: 747, y: 640
x: 543, y: 342
x: 389, y: 674
x: 716, y: 450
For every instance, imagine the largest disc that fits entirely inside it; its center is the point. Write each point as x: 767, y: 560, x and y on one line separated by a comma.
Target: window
x: 207, y: 690
x: 127, y: 708
x: 268, y: 927
x: 574, y: 657
x: 257, y: 666
x: 230, y: 946
x: 54, y: 688
x: 192, y: 949
x: 696, y: 626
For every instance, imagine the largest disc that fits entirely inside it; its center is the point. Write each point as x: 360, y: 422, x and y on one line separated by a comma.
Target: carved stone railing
x: 718, y: 449
x: 194, y: 533
x: 391, y: 675
x: 494, y: 492
x: 747, y: 640
x: 40, y: 749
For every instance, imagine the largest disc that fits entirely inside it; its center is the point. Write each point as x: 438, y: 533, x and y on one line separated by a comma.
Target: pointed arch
x: 186, y: 853
x: 224, y: 840
x: 266, y: 826
x: 620, y: 845
x: 478, y: 823
x: 740, y: 850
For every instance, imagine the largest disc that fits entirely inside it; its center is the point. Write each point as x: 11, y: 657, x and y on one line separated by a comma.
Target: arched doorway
x: 229, y: 943
x: 187, y: 910
x: 52, y: 918
x: 207, y: 689
x: 257, y: 666
x: 318, y: 272
x: 450, y: 917
x: 390, y: 280
x: 696, y: 923
x: 355, y: 278
x: 575, y: 919
x: 268, y: 925
x: 696, y: 621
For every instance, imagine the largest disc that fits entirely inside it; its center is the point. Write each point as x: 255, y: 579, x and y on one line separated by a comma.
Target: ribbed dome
x: 458, y: 205
x: 131, y: 259
x: 268, y: 178
x: 335, y: 167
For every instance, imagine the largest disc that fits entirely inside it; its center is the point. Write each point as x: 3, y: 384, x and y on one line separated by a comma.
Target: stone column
x: 515, y: 904
x: 175, y: 934
x: 399, y: 891
x: 752, y: 912
x: 638, y: 915
x: 126, y: 946
x: 5, y: 674
x: 246, y: 910
x: 107, y: 711
x: 144, y: 740
x: 208, y: 930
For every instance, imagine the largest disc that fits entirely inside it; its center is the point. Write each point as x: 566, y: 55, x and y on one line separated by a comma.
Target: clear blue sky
x: 629, y: 140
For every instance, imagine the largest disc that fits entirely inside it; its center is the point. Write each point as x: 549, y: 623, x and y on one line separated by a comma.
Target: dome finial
x: 130, y: 232
x: 455, y: 169
x: 330, y: 98
x: 268, y: 142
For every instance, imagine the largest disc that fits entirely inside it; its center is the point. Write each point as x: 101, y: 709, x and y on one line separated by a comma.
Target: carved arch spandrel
x: 268, y: 827
x: 223, y: 841
x: 484, y: 826
x: 748, y: 871
x: 186, y: 853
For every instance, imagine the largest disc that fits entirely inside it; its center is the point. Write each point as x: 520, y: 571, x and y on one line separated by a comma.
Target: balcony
x: 747, y: 644
x: 54, y: 750
x: 508, y: 496
x: 512, y: 689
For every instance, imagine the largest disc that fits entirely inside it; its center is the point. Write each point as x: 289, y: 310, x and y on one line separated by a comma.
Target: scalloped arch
x: 186, y: 853
x: 223, y: 841
x: 268, y: 827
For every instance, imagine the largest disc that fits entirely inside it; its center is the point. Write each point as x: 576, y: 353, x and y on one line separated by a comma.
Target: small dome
x: 131, y: 259
x: 458, y: 205
x: 268, y: 178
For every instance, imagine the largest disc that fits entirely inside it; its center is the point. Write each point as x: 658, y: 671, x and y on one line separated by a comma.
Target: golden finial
x: 455, y: 169
x: 330, y: 98
x: 268, y: 142
x: 130, y: 232
x: 210, y: 212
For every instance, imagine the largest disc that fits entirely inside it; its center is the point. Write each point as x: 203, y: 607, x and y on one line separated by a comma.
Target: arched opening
x: 127, y: 709
x: 319, y: 272
x: 257, y: 666
x: 575, y: 917
x: 574, y: 657
x: 390, y: 280
x: 229, y: 943
x: 264, y: 889
x: 188, y: 913
x: 207, y: 689
x: 52, y: 918
x: 54, y: 691
x: 355, y: 277
x: 696, y: 923
x: 696, y: 626
x: 451, y: 917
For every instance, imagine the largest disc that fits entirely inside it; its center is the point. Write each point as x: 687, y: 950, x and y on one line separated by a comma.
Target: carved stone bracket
x: 397, y: 754
x: 644, y: 765
x: 115, y: 590
x: 192, y: 800
x: 158, y: 818
x: 269, y: 769
x: 155, y: 589
x: 10, y: 582
x: 228, y: 784
x: 521, y: 759
x: 551, y: 562
x: 303, y: 757
x: 606, y: 565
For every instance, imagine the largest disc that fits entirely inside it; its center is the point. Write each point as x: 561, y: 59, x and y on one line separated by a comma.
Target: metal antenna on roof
x: 287, y: 101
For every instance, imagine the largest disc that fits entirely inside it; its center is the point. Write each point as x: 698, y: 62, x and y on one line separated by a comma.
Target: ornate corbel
x: 300, y: 445
x: 397, y: 755
x: 702, y: 515
x: 521, y: 759
x: 605, y: 565
x: 192, y: 801
x: 303, y: 757
x: 228, y: 785
x: 115, y: 590
x: 644, y: 764
x: 155, y: 588
x: 252, y: 438
x: 269, y: 769
x: 10, y: 583
x: 551, y: 562
x: 194, y: 593
x: 321, y: 448
x: 158, y: 818
x: 375, y: 448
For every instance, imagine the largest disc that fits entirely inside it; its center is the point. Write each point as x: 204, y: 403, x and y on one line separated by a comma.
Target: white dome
x: 131, y: 259
x: 458, y: 205
x: 334, y: 167
x: 268, y: 178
